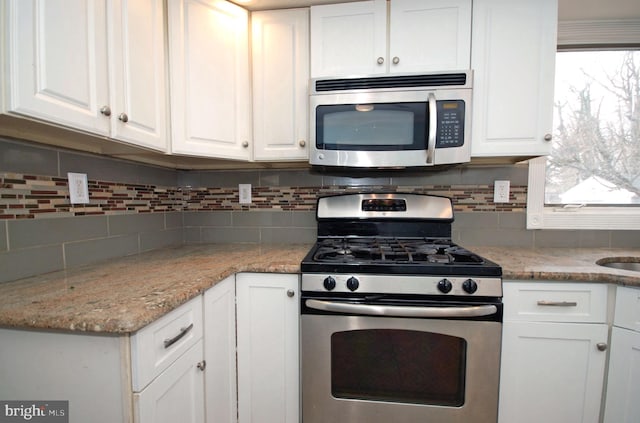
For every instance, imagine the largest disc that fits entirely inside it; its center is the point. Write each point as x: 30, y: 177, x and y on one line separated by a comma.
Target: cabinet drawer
x: 159, y: 344
x: 627, y: 308
x: 555, y: 302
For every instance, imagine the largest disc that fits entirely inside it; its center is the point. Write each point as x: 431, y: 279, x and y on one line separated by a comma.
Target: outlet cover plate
x: 78, y: 188
x: 501, y: 191
x: 244, y: 191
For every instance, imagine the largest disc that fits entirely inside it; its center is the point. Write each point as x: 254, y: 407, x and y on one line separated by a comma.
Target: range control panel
x: 401, y: 284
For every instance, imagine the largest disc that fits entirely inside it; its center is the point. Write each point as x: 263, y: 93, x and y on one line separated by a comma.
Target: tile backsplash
x: 136, y: 207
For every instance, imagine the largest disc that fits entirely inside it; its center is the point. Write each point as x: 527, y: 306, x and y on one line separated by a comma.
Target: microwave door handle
x: 433, y: 129
x: 400, y: 311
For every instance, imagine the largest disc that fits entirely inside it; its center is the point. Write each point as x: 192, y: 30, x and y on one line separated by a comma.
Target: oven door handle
x: 402, y: 311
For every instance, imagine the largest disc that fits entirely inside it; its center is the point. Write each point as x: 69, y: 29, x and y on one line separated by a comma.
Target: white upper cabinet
x: 90, y: 65
x: 280, y: 52
x: 426, y: 36
x: 138, y: 72
x: 418, y: 36
x: 349, y: 39
x: 209, y: 79
x: 513, y: 59
x: 57, y: 59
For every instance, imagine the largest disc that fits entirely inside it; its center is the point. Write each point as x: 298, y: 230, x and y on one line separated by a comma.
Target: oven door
x: 363, y: 368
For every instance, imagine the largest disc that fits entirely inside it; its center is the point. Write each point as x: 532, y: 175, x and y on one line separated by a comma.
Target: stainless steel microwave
x: 409, y: 120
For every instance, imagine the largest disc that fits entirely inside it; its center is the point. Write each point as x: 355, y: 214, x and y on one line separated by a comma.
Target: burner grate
x: 392, y: 250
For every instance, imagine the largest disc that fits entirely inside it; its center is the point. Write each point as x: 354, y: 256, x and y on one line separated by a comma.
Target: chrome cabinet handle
x: 380, y: 60
x: 601, y: 346
x: 105, y: 110
x: 400, y: 311
x: 302, y: 143
x: 433, y: 128
x: 202, y: 365
x: 245, y: 144
x: 548, y: 137
x: 183, y: 331
x: 291, y: 293
x: 123, y: 117
x: 396, y: 60
x: 557, y: 303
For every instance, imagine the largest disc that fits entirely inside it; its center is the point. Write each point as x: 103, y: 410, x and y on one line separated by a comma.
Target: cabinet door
x: 268, y: 359
x: 177, y: 395
x: 57, y: 60
x: 220, y: 352
x: 209, y: 78
x: 280, y: 51
x: 138, y: 77
x: 623, y: 387
x: 551, y: 372
x: 426, y: 36
x: 627, y: 308
x: 513, y: 58
x: 349, y: 39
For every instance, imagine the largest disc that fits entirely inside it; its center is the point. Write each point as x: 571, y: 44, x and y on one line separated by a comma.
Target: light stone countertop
x: 124, y: 295
x: 562, y: 264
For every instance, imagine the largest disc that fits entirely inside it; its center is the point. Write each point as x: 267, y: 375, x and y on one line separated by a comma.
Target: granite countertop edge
x: 123, y: 295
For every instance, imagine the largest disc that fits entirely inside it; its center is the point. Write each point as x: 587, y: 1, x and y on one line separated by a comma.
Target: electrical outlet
x: 501, y: 191
x: 78, y: 188
x: 244, y: 191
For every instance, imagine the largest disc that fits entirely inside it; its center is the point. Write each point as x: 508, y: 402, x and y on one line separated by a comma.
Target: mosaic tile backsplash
x: 35, y: 196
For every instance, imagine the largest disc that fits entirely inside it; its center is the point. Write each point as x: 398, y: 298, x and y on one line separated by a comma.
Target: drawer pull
x: 558, y: 303
x: 183, y: 331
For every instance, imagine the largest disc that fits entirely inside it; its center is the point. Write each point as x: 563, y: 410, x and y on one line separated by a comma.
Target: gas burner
x: 391, y: 250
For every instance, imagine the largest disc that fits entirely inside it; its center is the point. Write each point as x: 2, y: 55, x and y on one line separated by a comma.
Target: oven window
x: 379, y: 126
x: 398, y: 366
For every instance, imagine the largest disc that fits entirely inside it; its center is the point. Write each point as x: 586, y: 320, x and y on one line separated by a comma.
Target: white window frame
x: 540, y: 216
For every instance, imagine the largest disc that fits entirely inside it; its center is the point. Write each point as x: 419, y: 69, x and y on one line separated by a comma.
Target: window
x: 591, y: 179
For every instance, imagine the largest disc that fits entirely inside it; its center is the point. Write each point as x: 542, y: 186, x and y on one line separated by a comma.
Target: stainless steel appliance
x: 399, y: 324
x: 411, y: 120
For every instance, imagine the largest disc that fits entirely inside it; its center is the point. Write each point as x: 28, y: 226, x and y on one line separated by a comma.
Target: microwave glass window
x: 384, y: 126
x: 394, y: 365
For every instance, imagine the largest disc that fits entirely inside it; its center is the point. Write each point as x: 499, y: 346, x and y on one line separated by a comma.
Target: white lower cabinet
x: 268, y: 351
x: 177, y: 395
x: 167, y: 367
x: 220, y: 352
x: 154, y: 375
x: 180, y: 368
x: 553, y: 352
x: 623, y: 384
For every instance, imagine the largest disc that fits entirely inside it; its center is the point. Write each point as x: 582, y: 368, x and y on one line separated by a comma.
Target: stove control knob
x: 353, y: 283
x: 445, y: 286
x: 469, y: 286
x: 329, y: 283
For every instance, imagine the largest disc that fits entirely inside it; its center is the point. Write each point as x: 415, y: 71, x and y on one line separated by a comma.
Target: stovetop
x: 392, y: 250
x: 390, y: 255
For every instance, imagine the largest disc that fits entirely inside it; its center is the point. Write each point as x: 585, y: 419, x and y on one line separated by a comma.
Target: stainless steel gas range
x: 398, y: 322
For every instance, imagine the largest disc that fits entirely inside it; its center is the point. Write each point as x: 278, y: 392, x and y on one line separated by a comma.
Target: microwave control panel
x: 450, y: 131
